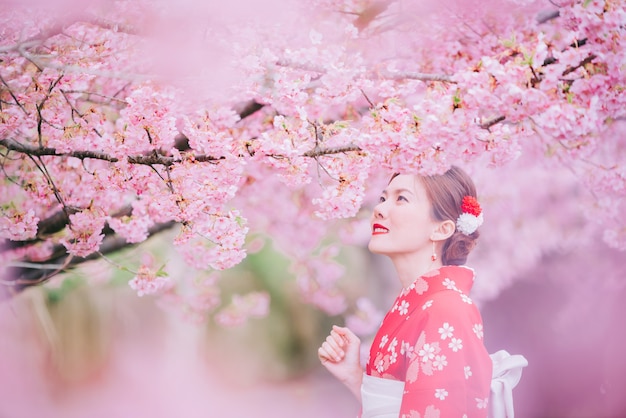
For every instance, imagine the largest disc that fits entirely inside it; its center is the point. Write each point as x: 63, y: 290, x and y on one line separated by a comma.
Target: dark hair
x: 445, y: 193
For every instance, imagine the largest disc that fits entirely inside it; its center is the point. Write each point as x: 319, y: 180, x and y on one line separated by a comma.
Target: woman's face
x: 402, y: 221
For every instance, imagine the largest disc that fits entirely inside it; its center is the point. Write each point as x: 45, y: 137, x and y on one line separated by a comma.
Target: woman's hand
x: 340, y: 354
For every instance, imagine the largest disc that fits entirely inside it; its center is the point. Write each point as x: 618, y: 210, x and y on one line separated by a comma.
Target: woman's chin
x: 376, y: 249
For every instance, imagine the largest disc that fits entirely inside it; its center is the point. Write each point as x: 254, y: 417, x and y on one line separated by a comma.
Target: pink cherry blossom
x: 85, y: 233
x: 148, y: 281
x: 18, y: 226
x: 285, y: 122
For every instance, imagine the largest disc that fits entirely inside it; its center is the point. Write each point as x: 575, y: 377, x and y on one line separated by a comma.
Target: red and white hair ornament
x: 471, y: 216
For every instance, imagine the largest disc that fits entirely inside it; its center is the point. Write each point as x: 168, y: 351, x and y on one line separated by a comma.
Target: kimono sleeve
x: 448, y: 369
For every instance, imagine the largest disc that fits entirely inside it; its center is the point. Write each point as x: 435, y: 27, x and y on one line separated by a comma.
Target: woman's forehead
x: 407, y: 182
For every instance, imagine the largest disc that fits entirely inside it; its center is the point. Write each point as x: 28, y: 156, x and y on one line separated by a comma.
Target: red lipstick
x: 378, y: 229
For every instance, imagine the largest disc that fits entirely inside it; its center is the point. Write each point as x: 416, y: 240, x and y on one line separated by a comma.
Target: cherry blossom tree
x: 282, y: 119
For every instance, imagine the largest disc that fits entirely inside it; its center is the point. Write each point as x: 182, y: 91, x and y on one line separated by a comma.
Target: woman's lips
x: 378, y: 229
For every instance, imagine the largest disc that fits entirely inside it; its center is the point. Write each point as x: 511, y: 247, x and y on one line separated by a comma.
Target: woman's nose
x: 378, y: 211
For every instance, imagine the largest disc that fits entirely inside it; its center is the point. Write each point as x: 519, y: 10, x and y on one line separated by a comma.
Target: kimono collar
x: 459, y: 278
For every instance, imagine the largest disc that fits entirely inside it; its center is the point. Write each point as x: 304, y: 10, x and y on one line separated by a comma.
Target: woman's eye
x: 381, y: 199
x: 402, y: 198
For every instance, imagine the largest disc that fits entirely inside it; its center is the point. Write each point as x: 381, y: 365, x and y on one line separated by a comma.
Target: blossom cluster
x: 279, y: 124
x: 148, y: 282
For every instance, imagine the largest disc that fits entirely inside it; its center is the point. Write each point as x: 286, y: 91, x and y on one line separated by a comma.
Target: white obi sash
x: 507, y: 372
x: 382, y: 398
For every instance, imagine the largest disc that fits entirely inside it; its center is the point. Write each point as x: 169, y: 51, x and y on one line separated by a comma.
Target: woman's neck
x: 411, y: 266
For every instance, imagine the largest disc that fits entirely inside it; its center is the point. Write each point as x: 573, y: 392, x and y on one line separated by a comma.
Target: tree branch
x: 42, y: 62
x: 55, y: 223
x: 151, y: 159
x: 112, y: 26
x: 317, y: 152
x: 250, y: 108
x: 546, y: 16
x: 13, y: 96
x: 370, y: 13
x: 402, y: 75
x: 35, y: 40
x: 409, y: 75
x: 22, y: 275
x: 580, y: 64
x: 488, y: 124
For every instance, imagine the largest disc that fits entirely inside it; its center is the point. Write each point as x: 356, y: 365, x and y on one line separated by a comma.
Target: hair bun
x: 457, y: 248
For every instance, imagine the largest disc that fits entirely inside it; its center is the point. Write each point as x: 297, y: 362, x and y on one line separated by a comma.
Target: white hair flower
x: 471, y: 216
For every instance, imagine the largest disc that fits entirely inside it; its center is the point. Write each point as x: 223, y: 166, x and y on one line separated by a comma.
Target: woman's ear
x: 443, y: 231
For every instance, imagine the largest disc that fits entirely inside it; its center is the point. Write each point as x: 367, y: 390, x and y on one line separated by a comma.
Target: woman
x: 428, y: 358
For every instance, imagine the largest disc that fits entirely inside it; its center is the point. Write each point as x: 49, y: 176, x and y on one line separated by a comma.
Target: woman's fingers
x: 345, y: 333
x: 332, y: 351
x: 333, y: 348
x: 337, y: 338
x: 348, y: 338
x: 339, y: 344
x: 324, y: 355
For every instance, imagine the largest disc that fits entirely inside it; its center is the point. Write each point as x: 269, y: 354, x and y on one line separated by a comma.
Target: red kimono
x: 432, y: 340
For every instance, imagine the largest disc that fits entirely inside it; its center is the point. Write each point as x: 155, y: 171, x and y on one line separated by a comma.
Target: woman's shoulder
x: 450, y: 300
x: 445, y: 297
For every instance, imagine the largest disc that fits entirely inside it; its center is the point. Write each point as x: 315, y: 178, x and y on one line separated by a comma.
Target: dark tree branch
x: 318, y: 152
x: 401, y: 75
x: 55, y: 223
x: 250, y: 108
x: 581, y: 64
x: 546, y: 16
x: 22, y: 277
x: 13, y: 96
x: 488, y: 124
x: 411, y: 75
x: 370, y: 13
x: 152, y: 159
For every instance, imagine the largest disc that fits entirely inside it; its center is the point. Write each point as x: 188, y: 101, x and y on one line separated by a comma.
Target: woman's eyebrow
x: 403, y: 190
x: 398, y: 191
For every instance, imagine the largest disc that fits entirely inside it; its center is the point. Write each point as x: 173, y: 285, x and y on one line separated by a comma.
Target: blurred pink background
x: 565, y: 316
x: 153, y: 368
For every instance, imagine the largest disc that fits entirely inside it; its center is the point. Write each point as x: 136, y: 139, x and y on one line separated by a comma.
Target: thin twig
x: 367, y: 98
x: 78, y: 112
x: 17, y: 102
x: 37, y: 61
x: 404, y: 75
x: 114, y: 264
x: 581, y: 64
x: 44, y: 170
x: 488, y: 124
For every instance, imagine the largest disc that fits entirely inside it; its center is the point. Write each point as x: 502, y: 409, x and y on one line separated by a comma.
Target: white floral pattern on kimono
x: 432, y: 339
